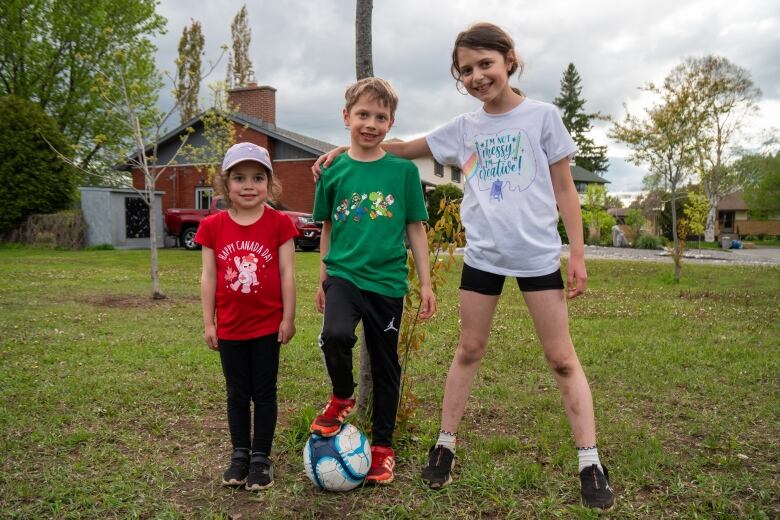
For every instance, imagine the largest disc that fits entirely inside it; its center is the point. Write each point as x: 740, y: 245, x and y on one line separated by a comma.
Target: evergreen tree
x: 590, y: 155
x: 242, y: 37
x: 188, y: 71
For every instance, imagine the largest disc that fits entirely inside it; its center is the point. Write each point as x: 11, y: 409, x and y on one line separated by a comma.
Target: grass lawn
x: 113, y: 407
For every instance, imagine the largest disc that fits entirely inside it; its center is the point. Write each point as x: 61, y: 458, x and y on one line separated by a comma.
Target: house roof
x: 732, y: 202
x: 308, y: 144
x: 580, y: 174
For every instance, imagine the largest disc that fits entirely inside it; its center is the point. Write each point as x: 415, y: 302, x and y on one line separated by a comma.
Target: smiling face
x: 248, y: 185
x: 368, y: 121
x: 485, y: 73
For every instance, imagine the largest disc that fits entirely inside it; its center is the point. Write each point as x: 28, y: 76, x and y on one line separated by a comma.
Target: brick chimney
x: 254, y: 101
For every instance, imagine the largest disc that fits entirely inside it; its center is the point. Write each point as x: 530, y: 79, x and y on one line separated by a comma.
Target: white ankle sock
x: 447, y: 439
x: 587, y: 457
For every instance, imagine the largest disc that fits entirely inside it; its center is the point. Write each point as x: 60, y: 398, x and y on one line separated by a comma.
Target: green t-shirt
x: 369, y: 205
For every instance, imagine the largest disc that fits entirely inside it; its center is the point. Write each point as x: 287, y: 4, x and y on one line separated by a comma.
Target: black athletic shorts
x: 491, y: 284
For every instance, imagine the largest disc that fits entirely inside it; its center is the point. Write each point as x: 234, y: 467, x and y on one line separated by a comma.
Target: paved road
x: 758, y: 256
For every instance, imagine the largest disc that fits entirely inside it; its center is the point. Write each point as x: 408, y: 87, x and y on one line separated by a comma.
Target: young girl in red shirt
x: 248, y: 282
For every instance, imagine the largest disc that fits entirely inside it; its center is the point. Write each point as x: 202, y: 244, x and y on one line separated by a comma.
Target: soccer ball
x: 337, y: 463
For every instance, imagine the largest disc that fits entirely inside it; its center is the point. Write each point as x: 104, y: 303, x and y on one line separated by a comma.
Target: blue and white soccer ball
x: 337, y: 463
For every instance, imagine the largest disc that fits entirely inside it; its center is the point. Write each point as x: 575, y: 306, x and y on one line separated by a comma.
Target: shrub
x: 34, y: 178
x: 650, y: 242
x: 442, y: 191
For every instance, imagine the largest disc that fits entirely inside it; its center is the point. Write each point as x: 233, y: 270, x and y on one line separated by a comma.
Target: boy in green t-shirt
x: 367, y: 199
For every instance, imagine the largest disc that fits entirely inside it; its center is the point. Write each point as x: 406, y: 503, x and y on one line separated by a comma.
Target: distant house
x: 733, y: 219
x: 582, y: 178
x: 433, y: 174
x: 186, y: 185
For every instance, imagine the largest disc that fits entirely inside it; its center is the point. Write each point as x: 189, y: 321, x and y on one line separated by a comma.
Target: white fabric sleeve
x: 555, y: 139
x: 446, y: 142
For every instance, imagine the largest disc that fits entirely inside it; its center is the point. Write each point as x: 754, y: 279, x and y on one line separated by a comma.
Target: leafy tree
x: 219, y: 134
x: 611, y: 201
x: 34, y: 180
x: 133, y: 101
x: 636, y: 222
x: 448, y: 192
x: 364, y: 63
x: 696, y: 209
x: 590, y: 156
x: 594, y: 216
x: 666, y: 140
x: 188, y: 70
x: 242, y: 37
x: 762, y: 184
x: 723, y: 95
x: 52, y: 52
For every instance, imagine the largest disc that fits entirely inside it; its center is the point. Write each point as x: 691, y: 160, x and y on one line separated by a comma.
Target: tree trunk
x: 365, y: 381
x: 677, y: 255
x: 364, y: 64
x: 712, y: 217
x: 154, y: 272
x: 364, y: 68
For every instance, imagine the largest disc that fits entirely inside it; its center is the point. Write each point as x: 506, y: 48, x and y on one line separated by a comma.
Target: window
x: 582, y: 187
x: 438, y: 169
x: 455, y: 174
x: 203, y: 198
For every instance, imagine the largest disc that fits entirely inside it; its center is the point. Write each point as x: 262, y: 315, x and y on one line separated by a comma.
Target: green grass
x: 112, y: 406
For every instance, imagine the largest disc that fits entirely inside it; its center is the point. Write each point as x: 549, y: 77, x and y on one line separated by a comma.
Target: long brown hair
x: 486, y: 35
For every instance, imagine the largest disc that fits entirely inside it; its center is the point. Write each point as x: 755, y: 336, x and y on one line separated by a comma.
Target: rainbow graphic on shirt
x: 471, y: 165
x: 500, y: 163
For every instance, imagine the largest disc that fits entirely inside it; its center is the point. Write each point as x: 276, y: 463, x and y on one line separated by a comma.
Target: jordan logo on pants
x: 390, y: 326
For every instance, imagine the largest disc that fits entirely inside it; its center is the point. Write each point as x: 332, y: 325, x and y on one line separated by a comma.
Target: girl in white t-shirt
x: 515, y: 154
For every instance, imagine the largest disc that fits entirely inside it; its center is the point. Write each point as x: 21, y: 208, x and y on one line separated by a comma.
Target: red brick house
x: 186, y: 185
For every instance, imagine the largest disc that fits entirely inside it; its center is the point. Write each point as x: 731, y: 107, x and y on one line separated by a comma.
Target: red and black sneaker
x: 329, y: 422
x: 382, y: 464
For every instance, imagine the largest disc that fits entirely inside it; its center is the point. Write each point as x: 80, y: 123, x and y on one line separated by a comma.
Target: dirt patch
x: 124, y: 301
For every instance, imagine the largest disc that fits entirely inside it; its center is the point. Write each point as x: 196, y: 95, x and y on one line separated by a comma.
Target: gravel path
x: 759, y: 256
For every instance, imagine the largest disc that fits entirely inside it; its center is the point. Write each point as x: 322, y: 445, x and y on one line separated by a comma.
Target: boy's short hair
x: 377, y: 89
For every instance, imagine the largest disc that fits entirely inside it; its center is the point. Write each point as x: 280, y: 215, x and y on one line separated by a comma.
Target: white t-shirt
x: 508, y: 207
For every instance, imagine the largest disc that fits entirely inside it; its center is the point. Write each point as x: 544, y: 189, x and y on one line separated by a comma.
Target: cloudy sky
x: 305, y: 49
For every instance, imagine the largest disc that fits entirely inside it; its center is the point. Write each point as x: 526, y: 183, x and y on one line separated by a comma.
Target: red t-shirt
x: 249, y: 293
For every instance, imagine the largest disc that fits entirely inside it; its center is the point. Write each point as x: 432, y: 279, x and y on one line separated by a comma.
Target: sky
x: 305, y: 49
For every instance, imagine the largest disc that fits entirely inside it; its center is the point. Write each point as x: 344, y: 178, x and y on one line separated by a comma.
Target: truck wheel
x: 188, y: 239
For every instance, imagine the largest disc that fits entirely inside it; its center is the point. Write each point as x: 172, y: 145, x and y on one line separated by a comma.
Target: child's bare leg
x: 551, y: 319
x: 476, y: 316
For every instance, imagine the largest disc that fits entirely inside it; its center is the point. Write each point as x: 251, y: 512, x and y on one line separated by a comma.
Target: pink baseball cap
x: 241, y: 152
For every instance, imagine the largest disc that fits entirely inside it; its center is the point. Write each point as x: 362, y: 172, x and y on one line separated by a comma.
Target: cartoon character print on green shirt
x: 375, y: 204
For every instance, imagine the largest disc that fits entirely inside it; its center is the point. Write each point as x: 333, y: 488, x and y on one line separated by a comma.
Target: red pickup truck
x: 183, y: 223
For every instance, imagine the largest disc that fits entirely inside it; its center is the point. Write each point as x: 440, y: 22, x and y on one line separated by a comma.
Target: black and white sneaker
x: 261, y: 473
x: 236, y: 473
x: 438, y: 473
x: 596, y: 491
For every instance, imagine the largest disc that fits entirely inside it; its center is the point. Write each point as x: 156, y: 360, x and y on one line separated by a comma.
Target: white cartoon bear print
x: 247, y: 276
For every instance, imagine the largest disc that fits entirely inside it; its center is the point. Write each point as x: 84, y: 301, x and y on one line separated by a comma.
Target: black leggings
x: 251, y: 367
x: 345, y: 306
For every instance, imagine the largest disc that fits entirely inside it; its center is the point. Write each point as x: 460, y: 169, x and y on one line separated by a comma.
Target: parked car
x: 183, y: 223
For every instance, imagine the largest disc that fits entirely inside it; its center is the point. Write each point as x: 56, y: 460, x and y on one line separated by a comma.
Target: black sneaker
x: 438, y: 473
x: 595, y: 487
x: 261, y: 473
x: 236, y: 473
